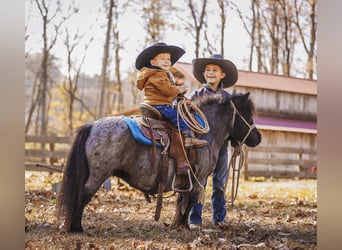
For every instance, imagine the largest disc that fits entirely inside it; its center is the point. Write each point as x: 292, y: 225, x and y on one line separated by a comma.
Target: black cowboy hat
x: 143, y: 59
x: 198, y: 66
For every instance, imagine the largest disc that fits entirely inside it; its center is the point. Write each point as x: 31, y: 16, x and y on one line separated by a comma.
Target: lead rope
x: 236, y: 172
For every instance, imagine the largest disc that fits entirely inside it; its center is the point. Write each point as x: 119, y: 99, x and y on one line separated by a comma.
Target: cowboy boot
x: 191, y: 141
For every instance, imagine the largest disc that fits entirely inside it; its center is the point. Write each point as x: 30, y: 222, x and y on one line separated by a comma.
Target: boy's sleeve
x: 161, y: 81
x: 193, y: 95
x: 140, y: 82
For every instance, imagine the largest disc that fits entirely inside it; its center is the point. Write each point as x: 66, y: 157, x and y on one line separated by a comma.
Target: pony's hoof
x: 76, y: 230
x: 180, y: 227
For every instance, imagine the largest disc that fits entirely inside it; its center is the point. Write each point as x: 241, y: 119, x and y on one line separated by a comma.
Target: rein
x: 233, y: 160
x: 236, y: 170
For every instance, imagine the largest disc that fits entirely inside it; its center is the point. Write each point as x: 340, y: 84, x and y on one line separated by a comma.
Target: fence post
x: 300, y: 157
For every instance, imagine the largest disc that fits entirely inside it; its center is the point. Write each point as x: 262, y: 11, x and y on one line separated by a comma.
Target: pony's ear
x: 244, y: 97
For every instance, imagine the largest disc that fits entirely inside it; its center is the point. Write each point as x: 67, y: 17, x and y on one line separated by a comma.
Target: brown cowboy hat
x: 143, y: 59
x: 198, y: 66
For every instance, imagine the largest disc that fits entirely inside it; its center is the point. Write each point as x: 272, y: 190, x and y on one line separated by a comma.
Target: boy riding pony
x: 160, y: 89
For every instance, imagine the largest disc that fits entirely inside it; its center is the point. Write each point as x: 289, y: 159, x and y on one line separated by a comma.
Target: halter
x: 250, y: 127
x: 237, y: 152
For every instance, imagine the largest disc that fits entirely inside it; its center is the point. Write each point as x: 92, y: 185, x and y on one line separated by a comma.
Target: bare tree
x: 48, y: 43
x: 105, y: 58
x: 208, y: 47
x: 249, y: 24
x: 28, y: 16
x: 274, y: 37
x: 288, y: 46
x: 195, y: 28
x: 155, y: 18
x: 70, y: 86
x: 117, y: 95
x: 259, y: 43
x: 33, y: 70
x: 223, y: 6
x: 309, y: 41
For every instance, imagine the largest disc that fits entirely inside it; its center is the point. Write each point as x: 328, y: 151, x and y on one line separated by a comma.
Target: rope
x: 232, y: 164
x: 190, y: 120
x: 184, y: 107
x: 237, y: 152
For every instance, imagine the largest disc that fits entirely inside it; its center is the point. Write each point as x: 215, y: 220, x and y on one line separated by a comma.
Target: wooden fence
x: 49, y: 153
x: 281, y: 162
x: 46, y: 153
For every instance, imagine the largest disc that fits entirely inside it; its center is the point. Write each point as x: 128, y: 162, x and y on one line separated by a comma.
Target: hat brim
x: 143, y: 59
x: 198, y: 66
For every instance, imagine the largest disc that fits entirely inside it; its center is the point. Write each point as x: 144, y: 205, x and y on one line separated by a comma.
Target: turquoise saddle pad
x: 136, y: 132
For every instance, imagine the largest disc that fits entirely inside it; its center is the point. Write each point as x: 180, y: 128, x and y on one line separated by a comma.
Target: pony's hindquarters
x: 72, y: 197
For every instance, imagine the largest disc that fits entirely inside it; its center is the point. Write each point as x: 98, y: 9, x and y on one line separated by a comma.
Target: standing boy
x: 216, y: 73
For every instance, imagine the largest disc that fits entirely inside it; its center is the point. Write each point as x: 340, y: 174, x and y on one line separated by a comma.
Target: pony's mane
x: 250, y: 103
x: 207, y: 100
x: 219, y: 99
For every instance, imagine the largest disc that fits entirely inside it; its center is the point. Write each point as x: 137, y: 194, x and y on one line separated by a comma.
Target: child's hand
x: 179, y: 83
x: 182, y: 90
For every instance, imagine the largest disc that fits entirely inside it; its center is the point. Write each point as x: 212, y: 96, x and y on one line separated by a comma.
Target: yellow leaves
x: 274, y: 216
x: 59, y: 111
x: 253, y: 196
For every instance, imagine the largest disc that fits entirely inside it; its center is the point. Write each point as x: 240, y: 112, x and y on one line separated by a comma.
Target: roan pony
x: 107, y: 148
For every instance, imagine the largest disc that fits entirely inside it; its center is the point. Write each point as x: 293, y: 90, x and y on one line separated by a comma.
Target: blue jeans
x: 170, y: 114
x: 218, y: 200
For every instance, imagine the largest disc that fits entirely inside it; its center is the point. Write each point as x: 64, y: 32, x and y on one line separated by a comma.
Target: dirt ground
x: 272, y: 214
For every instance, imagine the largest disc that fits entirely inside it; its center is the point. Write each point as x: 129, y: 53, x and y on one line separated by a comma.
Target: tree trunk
x: 105, y: 61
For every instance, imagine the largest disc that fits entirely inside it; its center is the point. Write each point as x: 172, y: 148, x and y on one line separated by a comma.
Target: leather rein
x: 238, y: 151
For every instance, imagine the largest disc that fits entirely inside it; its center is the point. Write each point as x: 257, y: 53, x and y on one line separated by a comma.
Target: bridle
x: 250, y: 127
x: 237, y: 152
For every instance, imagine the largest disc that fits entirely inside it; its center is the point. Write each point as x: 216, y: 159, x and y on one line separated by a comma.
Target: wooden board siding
x: 283, y: 154
x: 282, y: 104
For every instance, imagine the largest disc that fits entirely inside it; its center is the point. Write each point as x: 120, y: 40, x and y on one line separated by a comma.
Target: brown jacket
x: 157, y: 85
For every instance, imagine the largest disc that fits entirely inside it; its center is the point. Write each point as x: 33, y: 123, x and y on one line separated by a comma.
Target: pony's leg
x: 183, y: 207
x: 76, y: 221
x: 88, y: 191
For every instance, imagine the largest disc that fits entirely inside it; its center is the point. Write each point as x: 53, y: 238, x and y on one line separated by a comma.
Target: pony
x: 107, y: 148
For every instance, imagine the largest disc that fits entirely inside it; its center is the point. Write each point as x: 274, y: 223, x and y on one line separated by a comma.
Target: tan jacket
x: 157, y: 86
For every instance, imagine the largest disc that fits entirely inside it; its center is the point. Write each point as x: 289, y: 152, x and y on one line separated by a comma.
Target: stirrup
x: 182, y: 190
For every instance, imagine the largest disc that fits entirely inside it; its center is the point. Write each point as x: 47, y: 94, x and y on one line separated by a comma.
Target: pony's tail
x: 75, y: 175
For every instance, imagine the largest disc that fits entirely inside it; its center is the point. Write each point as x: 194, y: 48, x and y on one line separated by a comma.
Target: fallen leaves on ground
x: 266, y: 215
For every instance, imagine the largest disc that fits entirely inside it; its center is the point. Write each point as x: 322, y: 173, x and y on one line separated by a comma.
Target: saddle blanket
x: 136, y: 132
